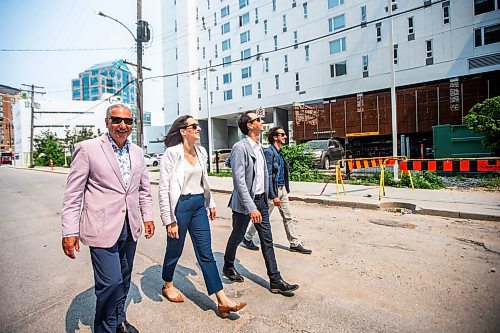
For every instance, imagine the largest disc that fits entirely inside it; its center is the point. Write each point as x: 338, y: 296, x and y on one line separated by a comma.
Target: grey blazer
x: 243, y: 168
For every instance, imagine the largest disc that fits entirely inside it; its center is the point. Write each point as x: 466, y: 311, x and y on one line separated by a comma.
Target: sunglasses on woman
x: 118, y: 120
x: 193, y: 126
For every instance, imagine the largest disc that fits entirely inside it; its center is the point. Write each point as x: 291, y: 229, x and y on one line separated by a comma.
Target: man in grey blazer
x: 249, y: 202
x: 106, y: 205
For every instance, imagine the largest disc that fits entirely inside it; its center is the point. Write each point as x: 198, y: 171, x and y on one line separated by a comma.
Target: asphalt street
x: 370, y: 271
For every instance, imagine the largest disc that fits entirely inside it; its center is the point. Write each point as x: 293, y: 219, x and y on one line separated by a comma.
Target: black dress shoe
x: 249, y: 245
x: 281, y: 286
x: 126, y: 327
x: 232, y: 274
x: 300, y: 249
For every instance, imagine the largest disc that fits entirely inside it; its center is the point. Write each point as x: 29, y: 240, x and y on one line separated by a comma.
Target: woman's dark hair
x: 173, y: 136
x: 243, y: 121
x: 272, y: 133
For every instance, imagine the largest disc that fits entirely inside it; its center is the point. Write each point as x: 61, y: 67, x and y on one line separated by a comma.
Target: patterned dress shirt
x: 123, y: 157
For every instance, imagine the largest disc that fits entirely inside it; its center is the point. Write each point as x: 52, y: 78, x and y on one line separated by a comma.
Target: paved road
x: 370, y: 271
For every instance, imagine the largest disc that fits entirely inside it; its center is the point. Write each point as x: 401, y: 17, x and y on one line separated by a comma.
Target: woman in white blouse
x: 184, y: 196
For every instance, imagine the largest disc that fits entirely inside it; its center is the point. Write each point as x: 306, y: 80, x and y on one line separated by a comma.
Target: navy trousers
x: 240, y: 223
x: 112, y: 273
x: 191, y: 216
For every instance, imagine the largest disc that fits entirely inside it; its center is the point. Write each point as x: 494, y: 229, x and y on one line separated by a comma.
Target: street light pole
x: 394, y: 118
x: 139, y: 77
x: 142, y: 35
x: 209, y: 116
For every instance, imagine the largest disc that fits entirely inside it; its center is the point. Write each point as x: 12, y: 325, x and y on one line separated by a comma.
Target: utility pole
x: 139, y: 73
x: 33, y: 92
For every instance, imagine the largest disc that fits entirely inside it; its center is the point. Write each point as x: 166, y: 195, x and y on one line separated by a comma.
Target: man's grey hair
x: 112, y: 106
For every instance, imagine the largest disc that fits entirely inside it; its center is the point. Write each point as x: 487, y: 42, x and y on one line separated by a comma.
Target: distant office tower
x: 108, y: 77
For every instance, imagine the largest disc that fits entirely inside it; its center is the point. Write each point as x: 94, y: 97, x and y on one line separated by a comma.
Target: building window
x: 199, y: 103
x: 286, y: 63
x: 177, y: 80
x: 224, y: 11
x: 228, y: 94
x: 363, y: 14
x: 337, y: 45
x: 307, y: 52
x: 274, y: 5
x: 277, y: 81
x: 304, y: 7
x: 487, y: 35
x: 246, y: 90
x: 365, y: 66
x: 294, y: 3
x: 428, y: 52
x: 446, y: 12
x: 295, y: 39
x: 297, y: 82
x: 227, y: 78
x: 336, y: 23
x: 209, y: 34
x: 266, y: 65
x: 275, y: 37
x: 208, y: 4
x: 378, y: 28
x: 226, y: 61
x: 226, y: 44
x: 265, y: 27
x: 257, y: 15
x: 284, y: 23
x: 244, y: 19
x: 216, y: 53
x: 243, y: 3
x: 197, y: 43
x: 246, y: 72
x: 211, y: 97
x: 244, y: 37
x: 175, y: 25
x: 338, y: 69
x: 395, y: 54
x: 257, y: 49
x: 226, y: 27
x: 484, y: 6
x: 246, y: 54
x: 334, y: 3
x: 259, y: 91
x: 411, y: 29
x: 178, y: 108
x: 216, y: 83
x: 203, y: 52
x: 215, y: 18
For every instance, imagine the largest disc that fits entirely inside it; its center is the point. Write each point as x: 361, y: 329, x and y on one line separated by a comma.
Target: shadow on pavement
x: 82, y: 309
x: 219, y: 257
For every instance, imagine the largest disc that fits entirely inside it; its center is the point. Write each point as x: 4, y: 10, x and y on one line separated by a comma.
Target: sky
x: 71, y: 25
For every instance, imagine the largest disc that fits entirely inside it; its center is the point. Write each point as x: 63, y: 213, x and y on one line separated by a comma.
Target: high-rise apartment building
x: 326, y: 65
x: 8, y: 97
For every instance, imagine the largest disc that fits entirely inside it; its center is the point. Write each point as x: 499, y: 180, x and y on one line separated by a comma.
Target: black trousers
x: 240, y: 224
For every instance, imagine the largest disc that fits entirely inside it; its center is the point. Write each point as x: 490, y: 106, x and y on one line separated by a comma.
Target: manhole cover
x: 394, y: 224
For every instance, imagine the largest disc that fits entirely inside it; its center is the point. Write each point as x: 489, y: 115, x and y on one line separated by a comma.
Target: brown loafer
x: 224, y: 310
x: 176, y: 299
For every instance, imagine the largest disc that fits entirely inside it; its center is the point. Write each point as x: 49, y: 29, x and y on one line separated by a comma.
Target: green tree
x: 300, y: 159
x: 47, y: 146
x: 484, y: 118
x: 72, y: 138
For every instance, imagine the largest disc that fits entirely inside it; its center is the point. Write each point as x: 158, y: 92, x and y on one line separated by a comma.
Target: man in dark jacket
x: 278, y: 191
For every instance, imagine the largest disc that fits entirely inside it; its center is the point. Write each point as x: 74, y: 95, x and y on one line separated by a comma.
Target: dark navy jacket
x: 272, y: 160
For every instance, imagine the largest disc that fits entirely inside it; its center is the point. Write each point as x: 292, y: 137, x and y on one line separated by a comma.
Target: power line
x: 65, y: 50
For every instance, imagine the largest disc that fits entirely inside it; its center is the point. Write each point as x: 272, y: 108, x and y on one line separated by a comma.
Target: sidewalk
x: 478, y: 205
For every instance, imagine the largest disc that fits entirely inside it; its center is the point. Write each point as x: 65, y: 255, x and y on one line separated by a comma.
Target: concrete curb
x: 326, y: 201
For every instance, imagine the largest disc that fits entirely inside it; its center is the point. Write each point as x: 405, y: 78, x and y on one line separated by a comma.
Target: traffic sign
x: 260, y: 112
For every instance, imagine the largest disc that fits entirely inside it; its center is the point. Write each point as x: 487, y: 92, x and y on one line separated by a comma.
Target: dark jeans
x: 240, y: 223
x: 112, y: 272
x: 191, y: 216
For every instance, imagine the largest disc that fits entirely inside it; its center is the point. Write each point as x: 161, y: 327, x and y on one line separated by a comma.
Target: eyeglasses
x: 260, y: 119
x: 281, y: 134
x: 118, y: 120
x: 193, y: 125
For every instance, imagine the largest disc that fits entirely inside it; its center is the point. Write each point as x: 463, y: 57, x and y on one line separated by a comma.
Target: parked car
x: 157, y: 156
x: 326, y: 151
x: 223, y: 154
x: 150, y: 160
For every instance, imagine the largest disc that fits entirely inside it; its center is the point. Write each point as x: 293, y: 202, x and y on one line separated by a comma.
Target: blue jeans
x: 191, y: 216
x: 112, y: 272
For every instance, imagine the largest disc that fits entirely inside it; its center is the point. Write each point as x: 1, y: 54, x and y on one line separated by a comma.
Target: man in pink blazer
x: 107, y: 200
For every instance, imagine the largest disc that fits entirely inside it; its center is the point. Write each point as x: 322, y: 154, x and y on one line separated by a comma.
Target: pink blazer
x: 96, y: 200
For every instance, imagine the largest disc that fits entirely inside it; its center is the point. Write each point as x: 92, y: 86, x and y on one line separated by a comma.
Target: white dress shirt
x: 259, y: 166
